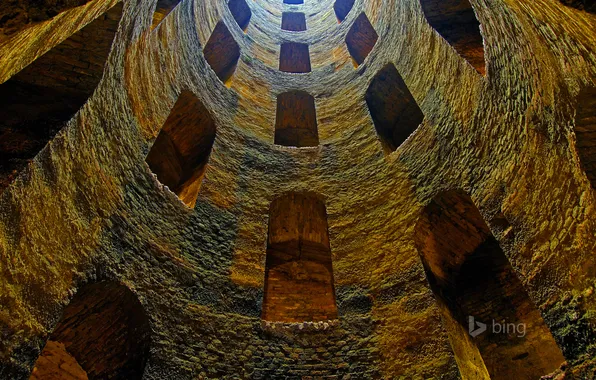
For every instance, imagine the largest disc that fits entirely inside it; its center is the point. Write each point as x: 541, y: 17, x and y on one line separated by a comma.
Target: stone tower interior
x: 298, y: 189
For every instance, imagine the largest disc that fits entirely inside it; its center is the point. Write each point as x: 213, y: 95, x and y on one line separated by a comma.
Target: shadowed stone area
x: 162, y: 9
x: 585, y: 132
x: 241, y: 12
x: 103, y: 334
x: 456, y: 22
x: 342, y: 8
x: 36, y: 103
x: 296, y: 120
x: 471, y: 278
x: 299, y: 275
x: 181, y: 151
x: 392, y: 107
x: 294, y: 58
x: 293, y: 21
x: 361, y: 39
x: 222, y: 52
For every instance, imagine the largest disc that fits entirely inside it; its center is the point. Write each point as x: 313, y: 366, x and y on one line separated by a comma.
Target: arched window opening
x: 495, y: 330
x: 222, y: 52
x: 180, y: 154
x: 103, y: 334
x: 294, y: 58
x: 361, y: 39
x: 296, y: 120
x: 393, y: 109
x: 299, y: 274
x: 342, y: 8
x: 585, y: 132
x: 162, y: 9
x: 241, y: 12
x: 293, y: 21
x: 456, y: 22
x: 37, y: 102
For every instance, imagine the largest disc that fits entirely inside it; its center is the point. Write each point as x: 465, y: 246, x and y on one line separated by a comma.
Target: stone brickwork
x: 88, y: 209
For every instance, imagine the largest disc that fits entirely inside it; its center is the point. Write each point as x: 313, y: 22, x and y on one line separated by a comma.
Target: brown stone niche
x: 241, y: 12
x: 585, y: 132
x: 222, y: 52
x: 298, y: 275
x: 456, y: 22
x: 294, y: 58
x: 37, y: 102
x: 296, y: 120
x: 180, y: 154
x: 162, y: 9
x: 361, y: 39
x: 392, y: 107
x: 293, y: 21
x: 470, y: 276
x: 342, y: 8
x: 103, y: 334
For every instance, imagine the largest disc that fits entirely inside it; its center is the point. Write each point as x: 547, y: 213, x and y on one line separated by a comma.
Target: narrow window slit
x: 294, y: 2
x: 585, y: 132
x: 474, y: 284
x: 296, y: 120
x: 104, y: 333
x: 222, y: 53
x: 299, y: 283
x: 162, y: 10
x: 36, y: 103
x: 293, y: 21
x: 241, y: 12
x: 180, y: 154
x: 393, y: 109
x: 456, y: 22
x: 342, y: 8
x: 361, y: 39
x: 294, y: 58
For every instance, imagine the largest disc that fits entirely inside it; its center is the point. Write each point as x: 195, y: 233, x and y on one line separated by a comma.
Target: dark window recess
x: 241, y: 12
x: 393, y: 109
x: 222, y: 52
x: 342, y: 8
x: 293, y: 21
x: 299, y: 273
x: 294, y: 58
x: 296, y: 120
x: 162, y: 9
x: 103, y: 334
x: 585, y: 132
x: 456, y: 22
x: 37, y: 102
x: 470, y: 276
x: 293, y: 1
x: 361, y: 39
x: 180, y: 153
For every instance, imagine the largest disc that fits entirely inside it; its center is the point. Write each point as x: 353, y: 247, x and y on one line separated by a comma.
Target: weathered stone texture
x: 88, y: 208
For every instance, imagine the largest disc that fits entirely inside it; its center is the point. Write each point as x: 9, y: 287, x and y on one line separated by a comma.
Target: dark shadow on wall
x: 37, y: 102
x: 222, y: 53
x: 471, y: 277
x: 162, y: 9
x: 394, y: 110
x: 241, y: 13
x: 361, y: 39
x: 296, y: 120
x: 103, y: 334
x: 299, y: 274
x: 456, y: 22
x: 180, y: 154
x: 585, y: 132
